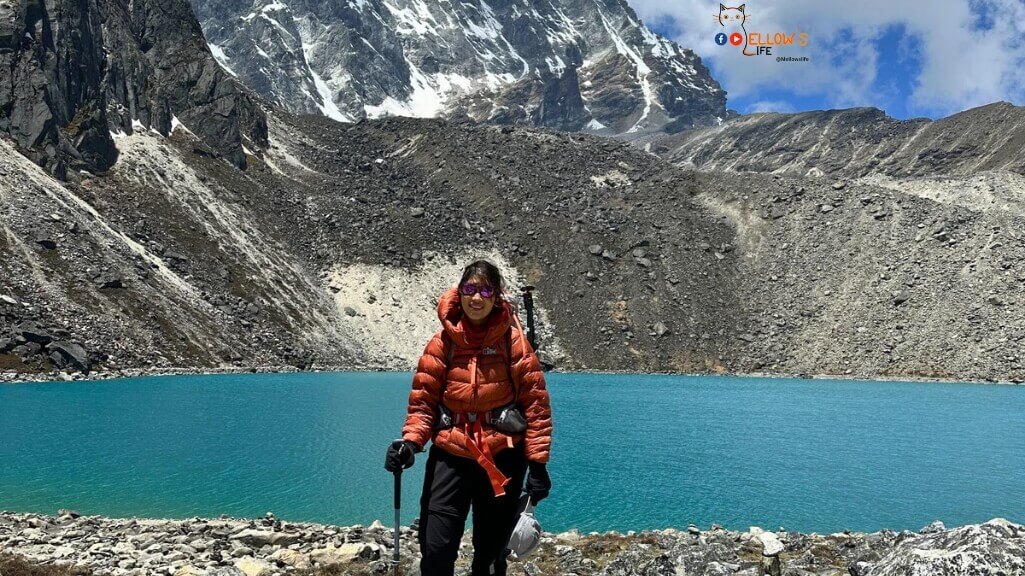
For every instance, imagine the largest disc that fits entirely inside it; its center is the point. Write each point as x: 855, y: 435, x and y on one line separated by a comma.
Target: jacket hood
x: 450, y: 312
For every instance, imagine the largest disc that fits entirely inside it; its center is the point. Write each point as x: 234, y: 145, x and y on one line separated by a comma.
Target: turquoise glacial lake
x: 630, y: 452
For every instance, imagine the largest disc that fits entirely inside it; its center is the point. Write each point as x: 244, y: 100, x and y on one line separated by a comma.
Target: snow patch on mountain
x: 430, y: 94
x: 221, y: 58
x: 328, y: 107
x: 416, y: 19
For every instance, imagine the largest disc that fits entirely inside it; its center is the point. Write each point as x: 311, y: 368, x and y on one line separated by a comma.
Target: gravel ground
x: 267, y: 546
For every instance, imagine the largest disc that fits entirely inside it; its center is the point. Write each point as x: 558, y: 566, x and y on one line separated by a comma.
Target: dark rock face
x: 166, y: 70
x: 574, y: 65
x: 80, y: 69
x: 561, y: 107
x: 543, y: 99
x: 52, y: 100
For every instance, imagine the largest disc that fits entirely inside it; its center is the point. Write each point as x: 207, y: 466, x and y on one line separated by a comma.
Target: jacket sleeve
x: 532, y: 397
x: 425, y: 395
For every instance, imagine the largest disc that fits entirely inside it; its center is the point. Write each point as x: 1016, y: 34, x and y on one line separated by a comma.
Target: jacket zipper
x: 473, y: 376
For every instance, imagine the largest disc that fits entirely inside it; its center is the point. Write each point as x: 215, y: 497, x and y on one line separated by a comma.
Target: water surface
x: 629, y: 452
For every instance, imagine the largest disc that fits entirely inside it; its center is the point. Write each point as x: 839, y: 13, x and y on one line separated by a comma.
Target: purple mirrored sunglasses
x: 486, y: 291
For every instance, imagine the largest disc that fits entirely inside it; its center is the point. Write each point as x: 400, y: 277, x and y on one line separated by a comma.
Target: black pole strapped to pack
x: 528, y: 303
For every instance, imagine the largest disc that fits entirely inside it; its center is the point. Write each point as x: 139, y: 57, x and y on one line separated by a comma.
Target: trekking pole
x: 528, y: 303
x: 398, y: 505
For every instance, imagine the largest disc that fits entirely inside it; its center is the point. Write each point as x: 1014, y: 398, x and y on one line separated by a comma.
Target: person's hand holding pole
x: 401, y: 454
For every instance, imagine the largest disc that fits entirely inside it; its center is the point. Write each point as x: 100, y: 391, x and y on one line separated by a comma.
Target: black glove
x: 538, y: 482
x: 400, y: 455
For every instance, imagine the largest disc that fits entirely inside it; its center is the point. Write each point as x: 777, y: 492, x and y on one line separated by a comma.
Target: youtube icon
x: 736, y: 38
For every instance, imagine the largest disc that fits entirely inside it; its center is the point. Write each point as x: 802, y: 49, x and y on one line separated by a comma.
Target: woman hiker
x: 475, y: 386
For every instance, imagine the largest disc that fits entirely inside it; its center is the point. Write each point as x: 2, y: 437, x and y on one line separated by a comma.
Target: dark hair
x: 489, y: 272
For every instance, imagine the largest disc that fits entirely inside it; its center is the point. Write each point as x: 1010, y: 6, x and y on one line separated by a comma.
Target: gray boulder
x: 69, y: 355
x: 33, y: 333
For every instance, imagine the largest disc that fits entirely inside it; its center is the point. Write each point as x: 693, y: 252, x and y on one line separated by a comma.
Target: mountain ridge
x: 575, y: 64
x: 856, y: 142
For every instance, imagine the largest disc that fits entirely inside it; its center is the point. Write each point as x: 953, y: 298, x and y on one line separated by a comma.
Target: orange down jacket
x: 478, y: 380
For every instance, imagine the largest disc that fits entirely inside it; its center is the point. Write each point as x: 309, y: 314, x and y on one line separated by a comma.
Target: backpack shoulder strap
x: 450, y: 351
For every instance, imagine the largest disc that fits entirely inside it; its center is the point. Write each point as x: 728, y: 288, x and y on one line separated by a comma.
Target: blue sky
x: 910, y: 58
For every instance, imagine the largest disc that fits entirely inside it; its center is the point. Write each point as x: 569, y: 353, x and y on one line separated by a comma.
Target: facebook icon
x: 720, y: 39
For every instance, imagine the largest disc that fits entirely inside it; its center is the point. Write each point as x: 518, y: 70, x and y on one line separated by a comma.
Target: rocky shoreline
x: 29, y: 377
x: 271, y: 546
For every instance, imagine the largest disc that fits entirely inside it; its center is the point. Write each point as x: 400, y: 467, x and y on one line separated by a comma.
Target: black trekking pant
x: 452, y: 485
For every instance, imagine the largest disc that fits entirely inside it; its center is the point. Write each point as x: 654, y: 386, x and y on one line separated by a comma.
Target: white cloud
x: 962, y: 65
x: 771, y: 106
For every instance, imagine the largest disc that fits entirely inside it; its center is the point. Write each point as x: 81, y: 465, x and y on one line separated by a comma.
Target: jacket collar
x: 450, y: 311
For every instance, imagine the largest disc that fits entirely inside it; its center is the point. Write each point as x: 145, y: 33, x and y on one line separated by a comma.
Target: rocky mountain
x: 130, y: 243
x: 328, y: 248
x: 922, y: 219
x: 79, y: 72
x: 566, y: 64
